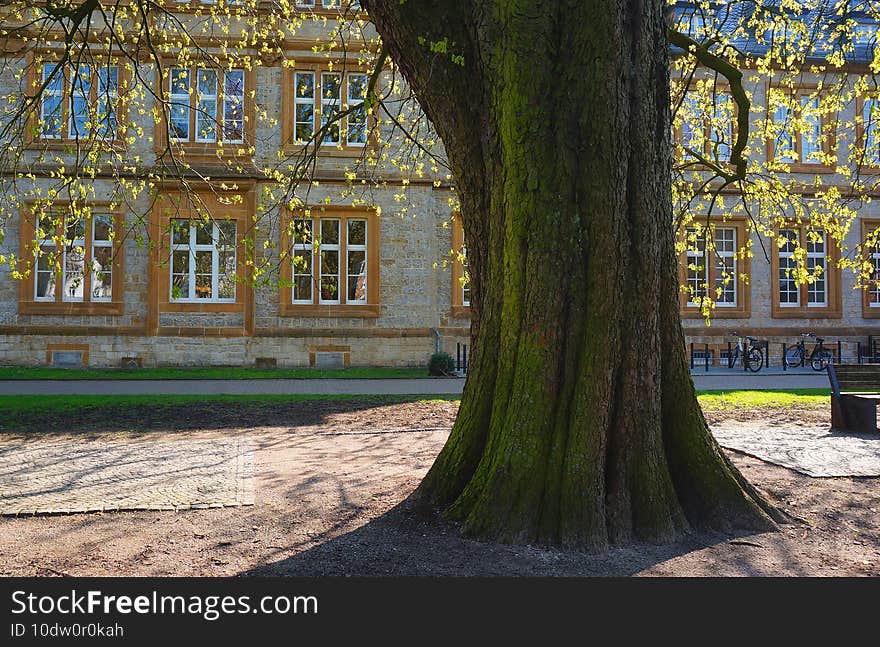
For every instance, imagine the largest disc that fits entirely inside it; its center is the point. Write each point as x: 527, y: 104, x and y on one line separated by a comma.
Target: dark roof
x: 731, y: 19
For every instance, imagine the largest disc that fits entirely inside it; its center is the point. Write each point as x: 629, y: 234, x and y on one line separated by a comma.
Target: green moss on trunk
x: 579, y: 423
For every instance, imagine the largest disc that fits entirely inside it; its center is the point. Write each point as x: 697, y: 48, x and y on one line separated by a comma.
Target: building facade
x: 145, y: 280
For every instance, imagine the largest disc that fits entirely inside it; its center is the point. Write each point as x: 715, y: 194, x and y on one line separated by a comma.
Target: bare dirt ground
x: 330, y: 476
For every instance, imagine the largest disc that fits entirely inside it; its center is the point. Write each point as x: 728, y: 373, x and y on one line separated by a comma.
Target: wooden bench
x: 855, y: 392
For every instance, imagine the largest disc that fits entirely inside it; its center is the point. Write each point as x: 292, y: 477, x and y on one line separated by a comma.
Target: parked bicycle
x: 752, y: 357
x: 819, y: 358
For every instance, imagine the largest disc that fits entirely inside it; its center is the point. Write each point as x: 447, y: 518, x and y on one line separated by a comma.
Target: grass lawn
x: 783, y: 399
x: 202, y: 373
x: 11, y: 405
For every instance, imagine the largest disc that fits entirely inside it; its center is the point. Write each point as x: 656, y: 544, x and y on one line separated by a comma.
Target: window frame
x: 341, y: 307
x: 35, y: 137
x: 194, y: 149
x: 193, y: 247
x: 833, y: 306
x: 29, y: 304
x: 869, y: 225
x: 706, y: 126
x: 169, y: 206
x: 289, y: 101
x: 318, y: 7
x: 743, y: 307
x: 867, y: 165
x: 829, y: 146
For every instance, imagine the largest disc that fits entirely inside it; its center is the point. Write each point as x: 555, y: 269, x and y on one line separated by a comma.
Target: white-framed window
x: 712, y: 265
x: 73, y: 263
x: 304, y: 106
x: 356, y: 260
x: 874, y: 291
x: 724, y: 241
x: 52, y: 106
x: 789, y: 292
x: 207, y: 106
x: 817, y: 265
x: 331, y: 83
x: 318, y: 98
x: 697, y: 269
x: 356, y: 131
x: 871, y: 121
x: 44, y: 283
x: 179, y: 108
x: 721, y: 127
x: 328, y: 261
x: 811, y: 136
x: 784, y: 147
x: 108, y: 96
x: 712, y: 136
x: 91, y: 94
x: 102, y: 257
x: 303, y: 256
x: 692, y: 136
x: 203, y: 261
x: 86, y: 243
x: 80, y: 98
x: 233, y: 106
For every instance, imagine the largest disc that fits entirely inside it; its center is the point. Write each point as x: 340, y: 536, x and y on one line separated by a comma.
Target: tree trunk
x: 579, y: 423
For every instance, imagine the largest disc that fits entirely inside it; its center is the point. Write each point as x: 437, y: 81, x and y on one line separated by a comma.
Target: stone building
x: 764, y: 301
x: 377, y: 290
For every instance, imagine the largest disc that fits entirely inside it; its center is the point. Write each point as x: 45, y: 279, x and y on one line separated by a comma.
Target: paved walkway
x: 716, y: 380
x: 42, y: 475
x: 811, y: 450
x: 79, y: 475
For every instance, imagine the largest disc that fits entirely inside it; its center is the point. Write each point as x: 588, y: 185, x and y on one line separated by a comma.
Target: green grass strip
x: 788, y: 398
x: 710, y: 400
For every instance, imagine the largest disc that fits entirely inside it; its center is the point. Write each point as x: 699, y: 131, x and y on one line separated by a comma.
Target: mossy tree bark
x: 579, y: 423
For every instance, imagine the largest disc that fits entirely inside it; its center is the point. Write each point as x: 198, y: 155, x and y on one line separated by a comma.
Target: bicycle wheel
x: 756, y: 359
x: 821, y: 359
x: 794, y: 356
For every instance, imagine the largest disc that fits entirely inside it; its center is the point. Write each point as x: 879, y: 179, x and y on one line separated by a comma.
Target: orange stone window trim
x: 461, y: 304
x: 208, y: 113
x: 819, y: 299
x: 864, y: 105
x: 75, y: 264
x: 720, y: 264
x: 800, y: 162
x: 80, y: 105
x: 314, y: 88
x: 330, y: 263
x: 713, y: 141
x: 190, y: 260
x: 871, y: 295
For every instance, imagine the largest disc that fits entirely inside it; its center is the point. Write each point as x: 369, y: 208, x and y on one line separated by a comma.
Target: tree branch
x: 735, y: 78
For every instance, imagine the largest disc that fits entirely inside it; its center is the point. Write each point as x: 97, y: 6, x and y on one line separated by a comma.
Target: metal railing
x: 705, y: 357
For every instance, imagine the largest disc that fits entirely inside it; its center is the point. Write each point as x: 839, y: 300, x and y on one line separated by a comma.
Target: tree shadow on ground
x: 197, y: 416
x: 405, y: 542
